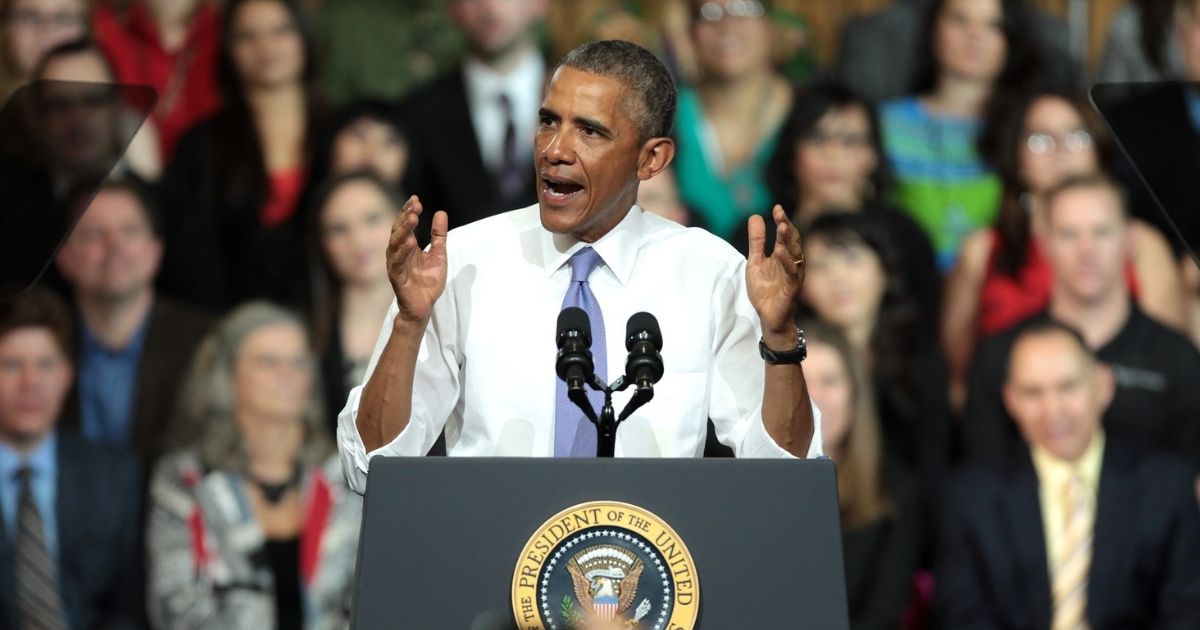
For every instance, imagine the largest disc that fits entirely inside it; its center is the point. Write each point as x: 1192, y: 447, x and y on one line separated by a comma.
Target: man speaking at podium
x: 469, y: 343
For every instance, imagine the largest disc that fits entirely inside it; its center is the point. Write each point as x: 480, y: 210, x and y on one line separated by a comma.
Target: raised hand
x: 418, y: 277
x: 773, y: 282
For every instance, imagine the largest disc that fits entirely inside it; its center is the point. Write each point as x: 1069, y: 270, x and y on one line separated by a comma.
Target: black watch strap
x: 790, y: 356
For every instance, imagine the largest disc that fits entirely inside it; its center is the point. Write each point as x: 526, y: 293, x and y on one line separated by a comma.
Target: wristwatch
x: 784, y: 357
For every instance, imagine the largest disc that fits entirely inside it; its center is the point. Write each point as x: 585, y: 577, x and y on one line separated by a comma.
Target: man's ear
x: 656, y: 154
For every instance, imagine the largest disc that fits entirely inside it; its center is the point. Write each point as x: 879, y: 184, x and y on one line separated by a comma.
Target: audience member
x: 29, y: 28
x: 232, y: 190
x: 251, y: 525
x: 471, y: 129
x: 353, y: 214
x: 171, y: 46
x: 1001, y: 276
x: 134, y: 148
x: 661, y: 196
x: 71, y: 510
x: 133, y: 344
x: 974, y: 55
x: 1087, y: 244
x: 881, y: 532
x: 727, y: 125
x: 363, y: 135
x: 829, y: 159
x: 1078, y: 528
x: 853, y: 282
x: 878, y: 51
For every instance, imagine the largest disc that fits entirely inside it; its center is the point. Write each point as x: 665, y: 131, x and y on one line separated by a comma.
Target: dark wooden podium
x: 441, y: 536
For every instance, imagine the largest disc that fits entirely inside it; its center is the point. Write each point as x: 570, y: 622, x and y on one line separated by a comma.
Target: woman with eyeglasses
x: 727, y: 124
x: 29, y: 29
x: 251, y: 525
x: 1001, y: 277
x: 829, y: 159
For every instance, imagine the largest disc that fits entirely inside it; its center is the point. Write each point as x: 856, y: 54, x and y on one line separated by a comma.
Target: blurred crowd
x: 1002, y: 326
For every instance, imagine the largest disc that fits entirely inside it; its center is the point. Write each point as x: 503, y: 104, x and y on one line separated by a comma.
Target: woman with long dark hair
x: 232, y: 191
x: 853, y: 282
x: 880, y: 509
x: 1001, y: 277
x: 352, y: 216
x: 975, y: 54
x: 829, y: 158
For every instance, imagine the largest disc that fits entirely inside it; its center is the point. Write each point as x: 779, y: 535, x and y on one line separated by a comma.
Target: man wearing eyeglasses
x: 1087, y: 245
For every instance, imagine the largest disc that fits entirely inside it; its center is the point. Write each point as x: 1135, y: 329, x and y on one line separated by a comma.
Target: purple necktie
x: 574, y: 434
x: 513, y: 173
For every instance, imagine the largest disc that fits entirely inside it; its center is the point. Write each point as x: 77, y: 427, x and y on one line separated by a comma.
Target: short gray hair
x: 204, y: 420
x: 653, y: 107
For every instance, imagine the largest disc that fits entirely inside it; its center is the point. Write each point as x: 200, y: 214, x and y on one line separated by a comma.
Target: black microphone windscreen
x: 574, y: 318
x: 643, y: 322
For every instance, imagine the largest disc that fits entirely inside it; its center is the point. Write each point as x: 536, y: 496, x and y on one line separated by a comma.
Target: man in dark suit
x: 472, y: 129
x: 134, y: 345
x: 1079, y: 528
x: 70, y: 552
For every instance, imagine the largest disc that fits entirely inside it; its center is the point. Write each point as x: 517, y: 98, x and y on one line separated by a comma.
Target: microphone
x: 643, y: 340
x: 574, y: 341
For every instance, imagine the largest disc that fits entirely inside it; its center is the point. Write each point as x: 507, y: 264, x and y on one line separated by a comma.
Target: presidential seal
x: 605, y: 565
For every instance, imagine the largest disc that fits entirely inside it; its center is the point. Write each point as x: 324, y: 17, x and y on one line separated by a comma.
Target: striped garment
x: 941, y: 182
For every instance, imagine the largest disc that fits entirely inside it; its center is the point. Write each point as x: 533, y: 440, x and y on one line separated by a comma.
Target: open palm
x: 773, y: 282
x: 418, y: 277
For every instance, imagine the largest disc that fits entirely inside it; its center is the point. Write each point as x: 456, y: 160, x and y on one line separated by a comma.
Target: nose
x: 558, y: 149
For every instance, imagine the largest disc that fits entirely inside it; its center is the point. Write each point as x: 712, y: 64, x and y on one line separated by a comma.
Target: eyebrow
x: 590, y: 123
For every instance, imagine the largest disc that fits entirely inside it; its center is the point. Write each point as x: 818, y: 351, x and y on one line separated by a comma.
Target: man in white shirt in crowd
x: 469, y: 342
x: 469, y: 130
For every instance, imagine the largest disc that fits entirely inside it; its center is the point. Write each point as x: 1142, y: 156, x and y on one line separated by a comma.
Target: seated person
x: 134, y: 344
x: 251, y: 525
x: 1087, y: 245
x: 880, y: 510
x: 352, y: 215
x: 855, y: 283
x: 70, y: 549
x: 1078, y: 529
x: 360, y: 136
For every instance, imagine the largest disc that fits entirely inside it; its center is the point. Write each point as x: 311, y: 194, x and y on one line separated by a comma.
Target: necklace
x: 273, y: 491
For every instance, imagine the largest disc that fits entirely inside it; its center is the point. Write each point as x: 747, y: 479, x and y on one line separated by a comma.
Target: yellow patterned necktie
x: 1070, y: 575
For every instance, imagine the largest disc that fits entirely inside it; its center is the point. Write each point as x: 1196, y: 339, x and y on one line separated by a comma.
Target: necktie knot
x: 583, y: 263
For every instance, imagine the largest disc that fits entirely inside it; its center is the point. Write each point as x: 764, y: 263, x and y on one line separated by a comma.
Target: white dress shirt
x: 486, y: 367
x: 523, y: 86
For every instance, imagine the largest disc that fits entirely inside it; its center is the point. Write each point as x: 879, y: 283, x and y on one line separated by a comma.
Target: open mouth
x: 560, y: 191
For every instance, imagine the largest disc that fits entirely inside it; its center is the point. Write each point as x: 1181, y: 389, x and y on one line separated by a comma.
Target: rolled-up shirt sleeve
x: 735, y: 397
x: 435, y: 394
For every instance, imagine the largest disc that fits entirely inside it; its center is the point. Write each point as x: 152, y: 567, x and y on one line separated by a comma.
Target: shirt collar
x: 485, y: 83
x: 41, y: 459
x: 132, y: 348
x: 618, y: 248
x: 1053, y: 471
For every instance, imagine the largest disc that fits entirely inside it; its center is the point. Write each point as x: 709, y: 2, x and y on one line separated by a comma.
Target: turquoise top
x: 723, y: 200
x: 940, y: 179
